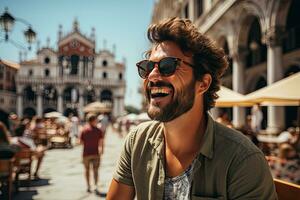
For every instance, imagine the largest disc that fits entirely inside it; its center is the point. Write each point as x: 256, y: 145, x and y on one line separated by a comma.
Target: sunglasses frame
x: 177, y: 60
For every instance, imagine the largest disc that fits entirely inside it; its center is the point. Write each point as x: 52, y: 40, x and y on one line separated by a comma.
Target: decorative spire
x: 104, y: 44
x: 93, y: 35
x: 25, y: 55
x: 75, y: 25
x: 59, y: 32
x: 20, y: 56
x: 114, y: 49
x: 38, y: 45
x: 48, y: 42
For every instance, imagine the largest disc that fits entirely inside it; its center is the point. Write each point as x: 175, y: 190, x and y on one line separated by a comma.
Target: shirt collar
x: 157, y: 139
x: 208, y: 138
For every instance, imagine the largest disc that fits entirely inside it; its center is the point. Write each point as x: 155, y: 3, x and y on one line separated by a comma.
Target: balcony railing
x: 69, y: 80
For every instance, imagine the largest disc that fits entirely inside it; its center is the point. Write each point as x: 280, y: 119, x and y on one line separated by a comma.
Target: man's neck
x: 183, y: 135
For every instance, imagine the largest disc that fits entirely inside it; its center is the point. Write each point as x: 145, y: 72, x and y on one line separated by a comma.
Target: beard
x: 182, y: 102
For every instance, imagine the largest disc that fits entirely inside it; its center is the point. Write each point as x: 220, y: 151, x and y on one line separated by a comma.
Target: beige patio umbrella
x: 98, y: 107
x: 285, y: 92
x: 230, y: 98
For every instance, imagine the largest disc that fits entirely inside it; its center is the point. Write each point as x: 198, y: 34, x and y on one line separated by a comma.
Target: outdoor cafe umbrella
x: 230, y: 98
x: 53, y: 114
x: 97, y: 107
x: 285, y: 92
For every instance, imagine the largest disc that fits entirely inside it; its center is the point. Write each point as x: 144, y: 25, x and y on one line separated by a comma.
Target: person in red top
x: 92, y: 139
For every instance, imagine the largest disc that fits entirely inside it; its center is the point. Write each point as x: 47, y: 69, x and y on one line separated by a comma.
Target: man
x: 92, y: 139
x: 185, y: 154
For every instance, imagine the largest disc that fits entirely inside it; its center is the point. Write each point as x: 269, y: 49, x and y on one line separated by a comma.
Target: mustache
x: 159, y: 84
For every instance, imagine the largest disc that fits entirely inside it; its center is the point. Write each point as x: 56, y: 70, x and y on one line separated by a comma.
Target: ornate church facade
x: 261, y: 39
x: 69, y: 77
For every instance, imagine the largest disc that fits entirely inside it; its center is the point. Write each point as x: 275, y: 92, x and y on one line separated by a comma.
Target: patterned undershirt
x: 179, y: 187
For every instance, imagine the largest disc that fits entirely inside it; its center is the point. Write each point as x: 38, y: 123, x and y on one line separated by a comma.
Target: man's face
x: 93, y: 122
x: 171, y: 96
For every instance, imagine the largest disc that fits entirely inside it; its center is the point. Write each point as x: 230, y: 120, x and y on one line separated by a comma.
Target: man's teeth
x: 159, y: 91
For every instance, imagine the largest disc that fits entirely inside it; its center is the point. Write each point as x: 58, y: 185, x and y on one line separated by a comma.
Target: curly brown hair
x: 208, y: 58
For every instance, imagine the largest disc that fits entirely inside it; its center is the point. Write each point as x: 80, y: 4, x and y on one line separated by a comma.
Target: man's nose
x: 154, y: 74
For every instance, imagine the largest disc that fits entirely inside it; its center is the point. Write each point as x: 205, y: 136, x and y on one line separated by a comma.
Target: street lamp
x: 7, y: 22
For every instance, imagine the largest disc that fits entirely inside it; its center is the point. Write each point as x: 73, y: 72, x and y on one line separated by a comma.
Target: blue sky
x: 120, y: 22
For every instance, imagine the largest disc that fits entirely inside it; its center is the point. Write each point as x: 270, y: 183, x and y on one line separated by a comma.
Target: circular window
x: 47, y: 60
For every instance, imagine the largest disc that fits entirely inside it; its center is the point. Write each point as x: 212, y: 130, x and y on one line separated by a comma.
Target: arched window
x: 74, y: 64
x: 257, y: 51
x: 120, y: 76
x: 47, y: 72
x: 104, y: 75
x: 106, y: 95
x: 30, y: 72
x: 292, y: 39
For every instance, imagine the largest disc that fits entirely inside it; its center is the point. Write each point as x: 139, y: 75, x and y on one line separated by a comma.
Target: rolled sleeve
x: 251, y: 179
x: 123, y: 172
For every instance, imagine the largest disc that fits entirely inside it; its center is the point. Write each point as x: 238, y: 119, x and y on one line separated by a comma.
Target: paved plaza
x: 62, y: 173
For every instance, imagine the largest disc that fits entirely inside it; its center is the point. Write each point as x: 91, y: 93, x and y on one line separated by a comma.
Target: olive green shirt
x: 228, y: 165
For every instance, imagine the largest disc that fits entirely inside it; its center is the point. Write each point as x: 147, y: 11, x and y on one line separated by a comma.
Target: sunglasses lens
x: 144, y: 68
x: 167, y: 66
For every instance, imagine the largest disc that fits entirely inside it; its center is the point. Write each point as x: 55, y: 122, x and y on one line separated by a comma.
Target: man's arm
x: 251, y: 179
x: 120, y: 191
x: 101, y: 146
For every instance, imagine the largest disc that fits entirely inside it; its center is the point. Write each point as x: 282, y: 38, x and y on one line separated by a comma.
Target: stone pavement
x: 62, y: 173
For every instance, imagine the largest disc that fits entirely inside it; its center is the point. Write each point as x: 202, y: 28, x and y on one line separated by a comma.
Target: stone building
x: 8, y: 71
x: 261, y: 39
x: 67, y: 78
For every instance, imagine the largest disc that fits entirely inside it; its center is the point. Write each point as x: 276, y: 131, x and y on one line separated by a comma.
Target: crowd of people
x: 282, y: 152
x: 37, y: 135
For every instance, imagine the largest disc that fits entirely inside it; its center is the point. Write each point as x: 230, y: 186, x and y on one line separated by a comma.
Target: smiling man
x: 183, y: 153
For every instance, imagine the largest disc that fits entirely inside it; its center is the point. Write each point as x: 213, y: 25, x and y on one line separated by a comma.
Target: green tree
x: 132, y: 109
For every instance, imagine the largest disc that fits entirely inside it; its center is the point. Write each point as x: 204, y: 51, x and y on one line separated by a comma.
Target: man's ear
x: 203, y: 84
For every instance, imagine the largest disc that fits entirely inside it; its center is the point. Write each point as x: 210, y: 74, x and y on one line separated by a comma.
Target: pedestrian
x: 256, y: 118
x: 93, y: 147
x: 104, y: 122
x: 184, y: 154
x: 25, y: 141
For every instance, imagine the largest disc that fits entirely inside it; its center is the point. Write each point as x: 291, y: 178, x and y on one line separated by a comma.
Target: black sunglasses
x: 166, y: 66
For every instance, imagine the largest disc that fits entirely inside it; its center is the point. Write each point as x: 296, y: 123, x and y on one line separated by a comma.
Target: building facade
x: 261, y: 39
x: 67, y: 78
x: 8, y: 71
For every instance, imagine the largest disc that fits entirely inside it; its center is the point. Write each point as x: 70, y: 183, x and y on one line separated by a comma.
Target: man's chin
x: 154, y: 112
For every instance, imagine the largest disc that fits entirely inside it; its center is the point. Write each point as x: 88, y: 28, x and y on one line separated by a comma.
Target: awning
x: 230, y: 98
x: 285, y: 92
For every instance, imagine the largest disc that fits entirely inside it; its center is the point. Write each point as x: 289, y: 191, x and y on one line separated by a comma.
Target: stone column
x: 115, y: 109
x: 40, y: 101
x: 20, y: 101
x: 192, y: 10
x: 80, y: 67
x: 97, y: 93
x: 60, y: 100
x: 238, y: 83
x: 274, y: 68
x: 122, y: 107
x: 81, y: 104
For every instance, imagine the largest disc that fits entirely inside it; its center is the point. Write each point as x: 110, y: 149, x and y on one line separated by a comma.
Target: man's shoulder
x: 230, y: 139
x: 146, y: 130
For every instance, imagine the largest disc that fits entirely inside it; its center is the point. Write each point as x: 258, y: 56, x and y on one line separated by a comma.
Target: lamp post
x: 7, y: 22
